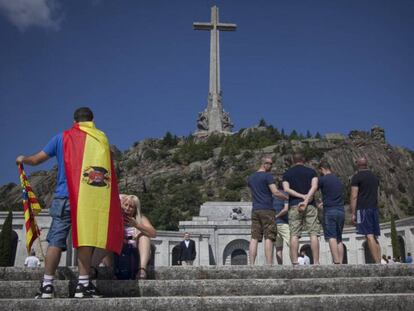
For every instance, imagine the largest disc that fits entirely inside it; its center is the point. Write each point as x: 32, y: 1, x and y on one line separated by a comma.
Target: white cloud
x: 26, y: 13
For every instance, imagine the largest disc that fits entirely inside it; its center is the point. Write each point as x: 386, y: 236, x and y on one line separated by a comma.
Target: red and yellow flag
x: 93, y: 190
x: 31, y: 208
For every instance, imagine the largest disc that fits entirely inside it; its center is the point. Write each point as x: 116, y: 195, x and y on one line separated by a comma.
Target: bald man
x: 364, y: 206
x: 262, y: 186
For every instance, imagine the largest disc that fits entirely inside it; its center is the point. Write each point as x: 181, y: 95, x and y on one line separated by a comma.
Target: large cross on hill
x: 214, y: 118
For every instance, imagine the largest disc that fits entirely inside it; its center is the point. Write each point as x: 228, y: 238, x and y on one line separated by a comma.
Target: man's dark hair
x: 83, y: 114
x: 298, y: 157
x: 324, y: 164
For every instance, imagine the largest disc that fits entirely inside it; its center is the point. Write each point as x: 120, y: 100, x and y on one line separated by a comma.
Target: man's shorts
x: 61, y: 223
x: 307, y: 220
x: 264, y: 224
x: 368, y: 221
x: 283, y: 234
x: 333, y: 222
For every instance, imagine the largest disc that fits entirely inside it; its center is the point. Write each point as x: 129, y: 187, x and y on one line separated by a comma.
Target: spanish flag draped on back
x: 93, y: 190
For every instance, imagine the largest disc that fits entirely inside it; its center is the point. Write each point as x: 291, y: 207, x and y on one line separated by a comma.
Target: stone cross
x: 214, y: 118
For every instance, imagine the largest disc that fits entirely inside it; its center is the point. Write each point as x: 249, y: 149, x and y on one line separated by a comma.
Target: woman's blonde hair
x: 136, y: 203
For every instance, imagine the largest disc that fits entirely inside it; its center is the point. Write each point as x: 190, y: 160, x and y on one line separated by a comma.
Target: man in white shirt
x: 303, y: 260
x: 32, y: 261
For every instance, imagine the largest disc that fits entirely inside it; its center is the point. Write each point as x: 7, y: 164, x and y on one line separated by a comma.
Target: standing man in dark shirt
x: 282, y: 221
x: 187, y: 251
x: 301, y: 183
x: 364, y: 206
x: 262, y: 186
x: 333, y: 210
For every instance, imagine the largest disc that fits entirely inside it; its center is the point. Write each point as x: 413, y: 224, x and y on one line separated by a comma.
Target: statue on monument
x: 227, y: 124
x: 202, y: 121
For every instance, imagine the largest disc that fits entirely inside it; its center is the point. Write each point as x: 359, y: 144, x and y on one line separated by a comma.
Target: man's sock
x: 47, y: 280
x: 84, y: 280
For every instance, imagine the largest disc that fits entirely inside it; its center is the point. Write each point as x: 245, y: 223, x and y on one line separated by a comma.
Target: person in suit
x: 187, y: 251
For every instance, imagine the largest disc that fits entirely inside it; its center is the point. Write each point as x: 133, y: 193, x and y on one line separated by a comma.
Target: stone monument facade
x: 214, y: 118
x: 222, y: 232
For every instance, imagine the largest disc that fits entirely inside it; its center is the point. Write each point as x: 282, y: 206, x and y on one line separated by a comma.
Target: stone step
x: 228, y: 272
x: 343, y: 302
x: 231, y: 287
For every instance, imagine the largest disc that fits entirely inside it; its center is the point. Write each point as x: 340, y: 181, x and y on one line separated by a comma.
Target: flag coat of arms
x: 93, y: 190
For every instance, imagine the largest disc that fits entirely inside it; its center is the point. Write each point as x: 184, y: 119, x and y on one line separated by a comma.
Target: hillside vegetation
x: 174, y: 175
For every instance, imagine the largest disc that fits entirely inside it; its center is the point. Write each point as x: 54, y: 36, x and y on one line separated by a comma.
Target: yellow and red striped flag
x: 31, y: 208
x: 93, y: 190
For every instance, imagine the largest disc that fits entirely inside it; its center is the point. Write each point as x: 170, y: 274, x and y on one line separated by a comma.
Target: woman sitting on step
x: 138, y: 232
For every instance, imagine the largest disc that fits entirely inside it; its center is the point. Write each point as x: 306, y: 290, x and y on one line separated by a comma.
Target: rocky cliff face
x: 173, y: 176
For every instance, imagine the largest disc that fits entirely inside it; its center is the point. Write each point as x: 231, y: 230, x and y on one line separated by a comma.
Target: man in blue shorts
x: 364, y: 206
x: 333, y: 210
x: 282, y: 221
x: 262, y: 187
x: 61, y: 219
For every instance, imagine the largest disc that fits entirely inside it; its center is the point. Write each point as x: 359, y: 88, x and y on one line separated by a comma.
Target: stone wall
x: 217, y: 239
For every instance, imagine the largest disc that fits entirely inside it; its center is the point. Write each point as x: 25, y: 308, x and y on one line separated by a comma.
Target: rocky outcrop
x: 150, y: 165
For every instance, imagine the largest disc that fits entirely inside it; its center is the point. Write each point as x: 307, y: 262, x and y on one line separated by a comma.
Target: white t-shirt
x: 186, y: 243
x: 304, y: 261
x: 32, y: 262
x: 131, y: 235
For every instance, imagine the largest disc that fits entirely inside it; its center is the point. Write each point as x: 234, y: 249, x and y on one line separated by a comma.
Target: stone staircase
x: 345, y: 287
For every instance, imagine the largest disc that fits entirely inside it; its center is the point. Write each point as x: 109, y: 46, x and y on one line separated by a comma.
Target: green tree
x: 262, y: 122
x: 6, y: 241
x: 318, y: 135
x: 394, y: 238
x: 308, y: 134
x: 282, y: 133
x: 312, y: 153
x: 169, y: 140
x: 294, y: 135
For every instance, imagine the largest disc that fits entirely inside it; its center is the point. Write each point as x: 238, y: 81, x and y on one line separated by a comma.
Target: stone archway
x: 175, y: 255
x: 308, y: 251
x: 401, y: 245
x: 239, y: 257
x: 236, y: 252
x: 14, y: 241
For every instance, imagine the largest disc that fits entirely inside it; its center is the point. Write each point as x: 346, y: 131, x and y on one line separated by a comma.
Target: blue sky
x: 327, y: 66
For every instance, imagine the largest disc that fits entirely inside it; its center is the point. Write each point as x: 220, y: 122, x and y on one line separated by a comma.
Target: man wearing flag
x: 86, y: 199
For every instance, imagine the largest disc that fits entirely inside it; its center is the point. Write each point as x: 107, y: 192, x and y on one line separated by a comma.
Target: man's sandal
x: 142, y: 274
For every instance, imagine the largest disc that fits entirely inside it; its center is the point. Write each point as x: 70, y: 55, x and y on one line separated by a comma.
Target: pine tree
x: 394, y: 239
x: 169, y: 140
x: 294, y: 135
x: 308, y: 134
x: 318, y: 135
x: 262, y: 122
x: 6, y: 241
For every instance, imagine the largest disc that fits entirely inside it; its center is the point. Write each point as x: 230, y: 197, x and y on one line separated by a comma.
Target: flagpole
x: 30, y: 205
x: 40, y: 244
